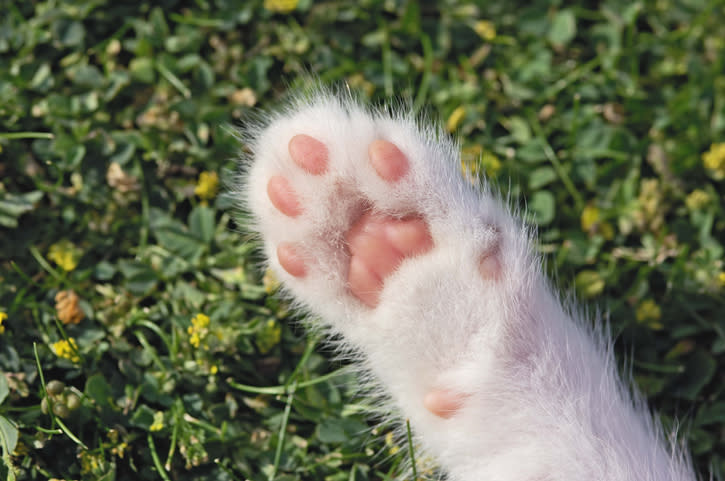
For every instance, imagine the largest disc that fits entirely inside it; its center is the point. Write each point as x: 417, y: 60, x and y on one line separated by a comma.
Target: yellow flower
x: 120, y: 449
x: 281, y: 6
x: 714, y: 160
x: 721, y: 279
x: 485, y: 29
x: 589, y: 217
x: 455, y: 118
x: 67, y: 349
x: 490, y: 163
x: 270, y: 282
x: 207, y: 185
x: 213, y: 370
x: 697, y: 199
x: 649, y: 313
x: 200, y: 321
x: 591, y: 222
x: 589, y: 283
x: 65, y: 254
x: 91, y: 463
x: 392, y: 447
x: 3, y: 316
x: 475, y: 157
x: 198, y: 331
x: 158, y: 423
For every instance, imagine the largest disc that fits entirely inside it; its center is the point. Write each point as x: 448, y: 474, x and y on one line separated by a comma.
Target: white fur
x: 543, y: 398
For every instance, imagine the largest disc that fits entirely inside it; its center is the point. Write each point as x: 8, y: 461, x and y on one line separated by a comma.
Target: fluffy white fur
x: 543, y: 400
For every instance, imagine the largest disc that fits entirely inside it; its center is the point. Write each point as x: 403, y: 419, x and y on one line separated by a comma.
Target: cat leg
x: 368, y: 223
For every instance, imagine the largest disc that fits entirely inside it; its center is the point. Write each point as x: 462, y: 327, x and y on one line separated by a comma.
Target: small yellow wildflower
x: 455, y: 118
x: 589, y: 283
x: 589, y: 218
x: 3, y: 316
x: 67, y: 350
x: 65, y: 254
x: 697, y: 199
x: 158, y: 423
x: 393, y: 448
x: 591, y: 222
x: 213, y: 370
x: 490, y: 163
x: 475, y: 157
x: 280, y: 6
x: 91, y: 463
x: 199, y: 329
x: 721, y: 279
x: 200, y: 321
x: 714, y: 160
x: 207, y: 185
x: 649, y: 313
x: 120, y: 449
x: 485, y: 29
x: 21, y: 449
x: 270, y: 282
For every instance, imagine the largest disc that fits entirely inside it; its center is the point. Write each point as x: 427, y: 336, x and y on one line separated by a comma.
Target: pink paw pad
x: 283, y: 196
x: 443, y: 403
x: 387, y: 160
x: 309, y: 153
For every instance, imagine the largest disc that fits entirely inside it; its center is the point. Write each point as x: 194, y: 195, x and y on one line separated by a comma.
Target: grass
x: 139, y: 341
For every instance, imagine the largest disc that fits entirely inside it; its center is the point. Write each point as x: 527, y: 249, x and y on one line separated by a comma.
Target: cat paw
x: 369, y: 225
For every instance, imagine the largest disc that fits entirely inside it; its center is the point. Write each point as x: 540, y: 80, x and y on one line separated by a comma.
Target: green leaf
x: 531, y: 152
x: 98, y: 389
x: 541, y: 176
x: 340, y: 430
x: 699, y: 371
x: 201, y: 223
x: 563, y: 27
x: 180, y: 242
x: 43, y: 78
x: 713, y: 414
x: 332, y: 431
x: 8, y: 436
x: 13, y: 206
x: 88, y: 76
x: 542, y: 206
x: 143, y: 69
x: 519, y: 128
x: 143, y: 417
x: 4, y: 388
x: 140, y: 278
x: 70, y: 33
